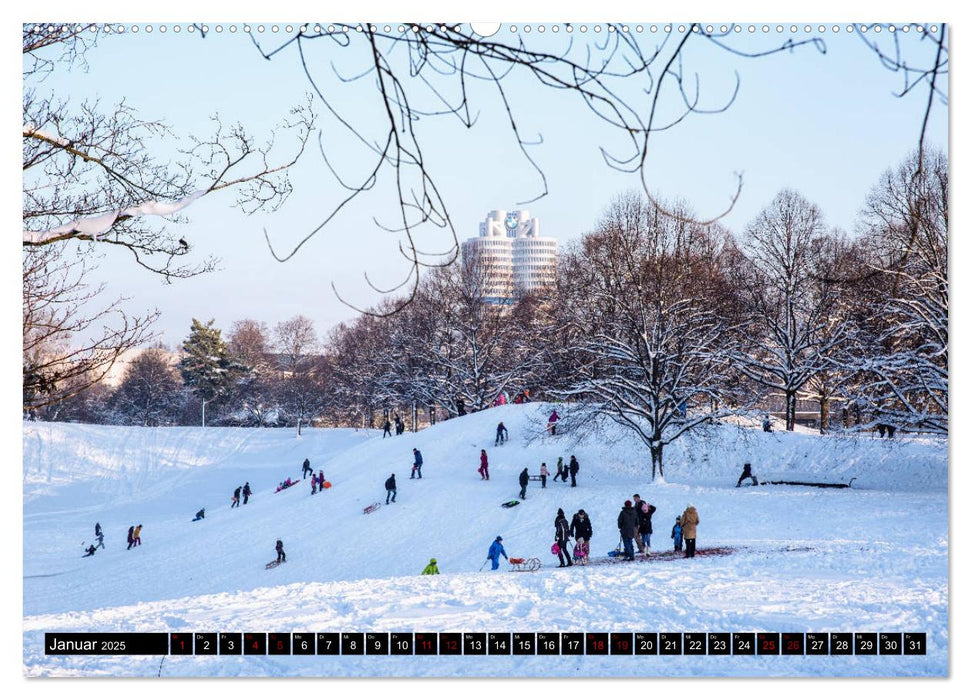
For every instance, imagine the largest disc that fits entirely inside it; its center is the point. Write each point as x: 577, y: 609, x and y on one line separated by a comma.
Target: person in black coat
x: 562, y: 538
x: 387, y: 428
x: 523, y: 481
x: 131, y: 536
x: 747, y: 474
x: 580, y: 526
x: 247, y: 492
x: 644, y: 525
x: 392, y: 489
x: 627, y: 524
x: 280, y: 554
x: 574, y: 468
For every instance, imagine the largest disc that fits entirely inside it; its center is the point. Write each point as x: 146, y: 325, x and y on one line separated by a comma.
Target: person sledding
x: 495, y: 551
x: 431, y: 569
x: 747, y: 474
x: 89, y: 552
x: 200, y: 515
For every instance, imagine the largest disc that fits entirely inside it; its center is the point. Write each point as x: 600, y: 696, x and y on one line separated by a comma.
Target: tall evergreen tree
x: 207, y: 367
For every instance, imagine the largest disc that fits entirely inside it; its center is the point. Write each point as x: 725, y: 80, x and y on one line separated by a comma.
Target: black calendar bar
x: 490, y: 643
x: 106, y: 643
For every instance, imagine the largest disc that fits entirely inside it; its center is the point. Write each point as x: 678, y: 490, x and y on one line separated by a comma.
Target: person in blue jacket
x: 494, y: 551
x: 416, y: 467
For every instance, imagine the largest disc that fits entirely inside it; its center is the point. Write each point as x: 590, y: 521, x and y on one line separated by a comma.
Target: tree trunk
x: 823, y: 414
x: 657, y: 465
x: 790, y: 410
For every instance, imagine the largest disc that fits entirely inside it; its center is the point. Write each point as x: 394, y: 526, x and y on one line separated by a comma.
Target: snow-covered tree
x: 652, y: 319
x: 207, y: 367
x: 151, y: 392
x: 790, y: 299
x: 102, y: 180
x: 904, y: 344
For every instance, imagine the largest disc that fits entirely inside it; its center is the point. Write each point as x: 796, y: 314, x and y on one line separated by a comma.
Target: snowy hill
x: 210, y: 573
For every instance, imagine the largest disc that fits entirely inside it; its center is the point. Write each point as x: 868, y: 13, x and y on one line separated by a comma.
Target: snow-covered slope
x: 889, y: 534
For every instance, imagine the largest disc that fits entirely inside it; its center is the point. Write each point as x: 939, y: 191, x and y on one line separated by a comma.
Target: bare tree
x: 249, y: 343
x: 790, y: 299
x: 296, y: 340
x: 905, y: 344
x: 97, y: 180
x: 66, y: 347
x: 652, y: 325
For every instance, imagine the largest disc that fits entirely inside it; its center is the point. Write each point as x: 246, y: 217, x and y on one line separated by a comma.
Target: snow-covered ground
x: 871, y: 558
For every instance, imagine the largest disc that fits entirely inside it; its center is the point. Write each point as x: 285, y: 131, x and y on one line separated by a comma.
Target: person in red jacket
x: 484, y: 465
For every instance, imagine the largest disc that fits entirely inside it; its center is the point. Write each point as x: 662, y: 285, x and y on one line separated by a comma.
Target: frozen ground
x: 871, y: 558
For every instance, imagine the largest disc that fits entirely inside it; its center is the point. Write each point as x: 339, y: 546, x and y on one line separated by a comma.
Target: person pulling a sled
x: 495, y: 551
x: 747, y: 474
x: 431, y: 569
x: 281, y: 556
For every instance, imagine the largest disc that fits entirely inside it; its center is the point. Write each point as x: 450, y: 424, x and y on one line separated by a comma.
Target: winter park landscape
x: 869, y: 558
x: 250, y: 324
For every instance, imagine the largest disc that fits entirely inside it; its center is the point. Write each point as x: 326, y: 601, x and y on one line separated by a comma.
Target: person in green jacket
x: 431, y: 569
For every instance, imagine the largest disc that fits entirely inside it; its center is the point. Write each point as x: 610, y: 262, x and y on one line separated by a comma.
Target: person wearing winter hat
x: 431, y: 569
x: 562, y: 538
x: 627, y: 524
x: 495, y: 551
x: 677, y: 534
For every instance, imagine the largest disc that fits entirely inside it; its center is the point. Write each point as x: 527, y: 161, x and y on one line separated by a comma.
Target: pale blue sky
x: 824, y: 124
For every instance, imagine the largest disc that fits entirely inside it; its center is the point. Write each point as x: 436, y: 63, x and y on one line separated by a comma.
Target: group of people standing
x: 580, y: 530
x: 245, y: 490
x: 399, y: 426
x: 636, y: 527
